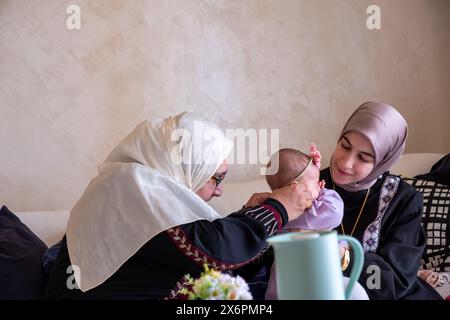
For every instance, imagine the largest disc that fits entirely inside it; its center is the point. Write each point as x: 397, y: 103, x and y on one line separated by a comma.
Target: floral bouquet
x: 214, y: 285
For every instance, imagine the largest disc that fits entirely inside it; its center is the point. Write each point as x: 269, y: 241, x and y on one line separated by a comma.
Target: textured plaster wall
x: 68, y: 96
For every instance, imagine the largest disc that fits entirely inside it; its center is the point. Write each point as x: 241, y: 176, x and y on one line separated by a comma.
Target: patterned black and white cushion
x: 436, y: 218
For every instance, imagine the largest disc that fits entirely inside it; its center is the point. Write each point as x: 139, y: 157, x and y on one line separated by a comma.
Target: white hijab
x: 146, y: 185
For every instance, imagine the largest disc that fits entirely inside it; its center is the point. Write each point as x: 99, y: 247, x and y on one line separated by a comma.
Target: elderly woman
x: 143, y: 223
x: 380, y: 209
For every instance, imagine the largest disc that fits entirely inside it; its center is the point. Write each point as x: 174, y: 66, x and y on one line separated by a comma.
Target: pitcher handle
x: 358, y: 260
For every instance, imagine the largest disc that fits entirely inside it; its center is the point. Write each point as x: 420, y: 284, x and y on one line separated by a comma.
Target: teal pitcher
x: 308, y: 265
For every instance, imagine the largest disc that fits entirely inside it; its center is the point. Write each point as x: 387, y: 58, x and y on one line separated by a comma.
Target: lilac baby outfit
x: 325, y: 214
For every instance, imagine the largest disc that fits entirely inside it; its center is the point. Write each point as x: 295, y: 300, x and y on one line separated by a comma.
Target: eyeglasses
x: 218, y: 179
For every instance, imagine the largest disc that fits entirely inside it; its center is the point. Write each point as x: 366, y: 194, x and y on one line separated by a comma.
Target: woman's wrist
x: 279, y: 207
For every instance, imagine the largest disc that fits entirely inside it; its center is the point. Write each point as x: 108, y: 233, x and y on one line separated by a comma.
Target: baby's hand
x: 322, y: 184
x: 315, y: 155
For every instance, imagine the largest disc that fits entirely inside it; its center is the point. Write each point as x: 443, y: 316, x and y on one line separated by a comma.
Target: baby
x: 327, y: 208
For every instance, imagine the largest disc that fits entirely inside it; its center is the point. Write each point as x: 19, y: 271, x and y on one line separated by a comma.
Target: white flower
x: 214, y: 285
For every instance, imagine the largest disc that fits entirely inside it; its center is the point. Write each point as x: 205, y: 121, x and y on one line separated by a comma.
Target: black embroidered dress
x: 157, y: 270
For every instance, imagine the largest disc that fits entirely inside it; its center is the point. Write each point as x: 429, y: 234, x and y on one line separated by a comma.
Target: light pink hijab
x: 386, y: 130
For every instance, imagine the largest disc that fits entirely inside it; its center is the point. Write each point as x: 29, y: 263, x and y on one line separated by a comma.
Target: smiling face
x: 353, y: 159
x: 213, y: 187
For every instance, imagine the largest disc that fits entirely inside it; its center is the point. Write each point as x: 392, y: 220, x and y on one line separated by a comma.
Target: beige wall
x: 67, y: 97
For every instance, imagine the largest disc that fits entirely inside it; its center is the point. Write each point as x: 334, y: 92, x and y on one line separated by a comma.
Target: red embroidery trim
x: 186, y: 247
x: 276, y: 215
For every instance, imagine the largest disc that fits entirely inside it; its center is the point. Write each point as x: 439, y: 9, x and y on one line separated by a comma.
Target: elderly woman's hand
x: 257, y: 198
x: 295, y: 199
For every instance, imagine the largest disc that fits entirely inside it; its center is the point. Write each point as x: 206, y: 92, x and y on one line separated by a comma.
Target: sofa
x: 50, y: 226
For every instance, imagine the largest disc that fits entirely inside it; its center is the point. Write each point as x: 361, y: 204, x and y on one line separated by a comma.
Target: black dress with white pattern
x: 400, y: 240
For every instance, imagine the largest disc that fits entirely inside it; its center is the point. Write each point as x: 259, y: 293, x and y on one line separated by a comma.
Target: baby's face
x: 310, y: 181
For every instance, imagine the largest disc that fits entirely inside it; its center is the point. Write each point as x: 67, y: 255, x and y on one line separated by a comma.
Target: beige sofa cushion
x: 412, y: 164
x: 49, y: 226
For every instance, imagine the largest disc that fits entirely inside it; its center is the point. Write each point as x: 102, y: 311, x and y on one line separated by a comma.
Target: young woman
x: 380, y: 209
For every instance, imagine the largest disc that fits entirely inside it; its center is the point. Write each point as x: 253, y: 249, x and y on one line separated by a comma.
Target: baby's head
x: 292, y: 163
